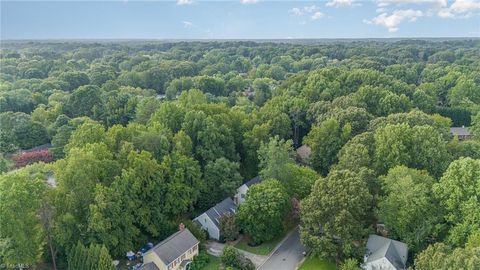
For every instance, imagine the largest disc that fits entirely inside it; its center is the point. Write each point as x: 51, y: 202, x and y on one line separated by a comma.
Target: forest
x: 108, y: 145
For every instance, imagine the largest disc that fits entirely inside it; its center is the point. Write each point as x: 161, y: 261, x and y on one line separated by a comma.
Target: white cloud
x: 317, y: 15
x: 296, y: 11
x: 249, y: 1
x: 392, y: 21
x: 460, y: 8
x: 341, y: 3
x: 434, y: 3
x: 187, y: 24
x: 184, y: 2
x: 310, y: 9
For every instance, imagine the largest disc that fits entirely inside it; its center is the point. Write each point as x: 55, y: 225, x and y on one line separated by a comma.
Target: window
x: 243, y: 196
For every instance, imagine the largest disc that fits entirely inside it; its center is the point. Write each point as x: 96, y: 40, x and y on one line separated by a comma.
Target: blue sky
x: 240, y: 19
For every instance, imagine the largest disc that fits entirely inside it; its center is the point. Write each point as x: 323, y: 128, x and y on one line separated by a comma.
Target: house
x: 241, y: 194
x: 303, y: 154
x: 210, y: 219
x: 385, y: 254
x: 174, y: 253
x: 461, y: 132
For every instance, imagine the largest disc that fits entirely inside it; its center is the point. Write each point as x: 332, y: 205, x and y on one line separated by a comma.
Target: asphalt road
x: 288, y: 254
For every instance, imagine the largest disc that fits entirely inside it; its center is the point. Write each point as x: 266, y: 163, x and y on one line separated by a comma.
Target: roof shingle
x: 174, y: 246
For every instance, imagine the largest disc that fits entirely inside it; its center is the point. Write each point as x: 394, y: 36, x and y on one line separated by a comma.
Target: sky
x: 238, y: 19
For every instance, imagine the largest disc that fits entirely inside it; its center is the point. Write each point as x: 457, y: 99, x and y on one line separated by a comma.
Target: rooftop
x: 381, y: 247
x: 226, y: 206
x: 460, y: 131
x: 253, y: 181
x: 174, y: 246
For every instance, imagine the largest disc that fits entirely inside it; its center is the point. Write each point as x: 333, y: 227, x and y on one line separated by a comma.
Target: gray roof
x: 224, y: 207
x: 394, y: 251
x: 174, y: 246
x: 149, y: 266
x: 253, y: 181
x: 460, y: 131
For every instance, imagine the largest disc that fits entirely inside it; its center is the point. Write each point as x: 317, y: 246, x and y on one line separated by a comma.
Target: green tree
x: 229, y: 230
x: 326, y: 140
x: 221, y: 179
x: 442, y: 257
x: 86, y: 100
x: 21, y: 233
x: 274, y: 156
x: 350, y: 264
x: 183, y: 183
x: 420, y: 147
x: 262, y: 214
x: 336, y: 214
x: 93, y: 257
x: 77, y: 176
x: 458, y: 192
x: 88, y: 133
x: 408, y: 208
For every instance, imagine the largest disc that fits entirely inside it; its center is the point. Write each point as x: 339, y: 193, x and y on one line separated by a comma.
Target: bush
x: 231, y: 257
x: 200, y: 261
x: 228, y: 228
x: 25, y: 158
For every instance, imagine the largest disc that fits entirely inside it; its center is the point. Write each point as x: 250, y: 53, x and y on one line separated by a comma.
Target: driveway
x: 215, y: 249
x: 287, y: 256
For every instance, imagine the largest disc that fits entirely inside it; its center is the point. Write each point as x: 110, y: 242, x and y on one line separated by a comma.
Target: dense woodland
x: 145, y: 135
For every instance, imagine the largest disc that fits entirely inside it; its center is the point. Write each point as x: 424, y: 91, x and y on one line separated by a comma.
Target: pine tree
x: 104, y: 259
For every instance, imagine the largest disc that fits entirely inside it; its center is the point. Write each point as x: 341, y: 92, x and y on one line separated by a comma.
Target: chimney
x: 181, y: 227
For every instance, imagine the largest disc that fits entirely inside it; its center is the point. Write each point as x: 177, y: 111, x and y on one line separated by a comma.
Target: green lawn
x: 313, y: 263
x: 263, y: 249
x: 214, y: 263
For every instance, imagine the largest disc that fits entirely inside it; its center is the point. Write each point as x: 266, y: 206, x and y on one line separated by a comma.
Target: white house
x: 241, y: 194
x: 385, y: 254
x: 210, y: 219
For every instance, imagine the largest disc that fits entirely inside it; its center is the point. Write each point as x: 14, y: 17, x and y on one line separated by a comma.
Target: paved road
x: 287, y: 255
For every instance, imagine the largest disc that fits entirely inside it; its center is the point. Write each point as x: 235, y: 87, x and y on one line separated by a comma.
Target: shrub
x: 228, y: 227
x: 25, y: 158
x: 200, y: 261
x: 231, y: 257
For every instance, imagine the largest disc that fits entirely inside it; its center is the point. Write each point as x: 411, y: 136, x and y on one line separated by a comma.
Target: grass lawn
x: 313, y: 263
x: 214, y: 263
x: 263, y: 249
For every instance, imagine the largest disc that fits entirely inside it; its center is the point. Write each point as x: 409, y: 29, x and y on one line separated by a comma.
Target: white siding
x: 209, y: 226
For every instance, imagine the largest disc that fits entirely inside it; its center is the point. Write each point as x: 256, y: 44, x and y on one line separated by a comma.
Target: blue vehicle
x: 145, y: 248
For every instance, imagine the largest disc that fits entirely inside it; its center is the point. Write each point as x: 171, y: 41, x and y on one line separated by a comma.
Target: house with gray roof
x: 241, y: 194
x: 210, y: 219
x: 174, y: 253
x: 463, y: 133
x: 385, y: 254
